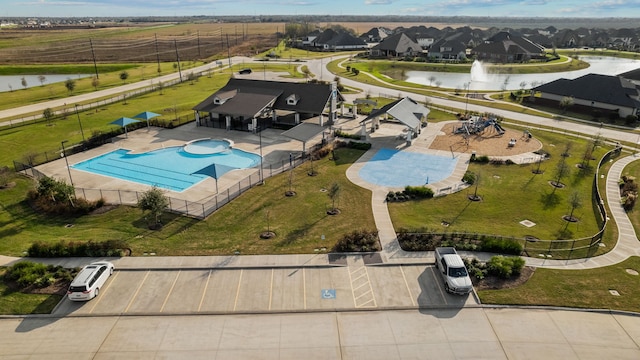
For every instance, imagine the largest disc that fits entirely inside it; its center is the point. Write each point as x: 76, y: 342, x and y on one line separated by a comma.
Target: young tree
x: 124, y: 76
x: 575, y: 201
x: 566, y: 102
x: 155, y: 202
x: 23, y: 81
x: 95, y: 82
x: 47, y: 114
x: 42, y: 79
x: 334, y: 193
x: 432, y: 78
x: 70, y: 84
x: 562, y: 170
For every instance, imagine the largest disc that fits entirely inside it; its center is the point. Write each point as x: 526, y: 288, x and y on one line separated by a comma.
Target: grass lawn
x: 176, y: 101
x: 575, y: 288
x: 512, y: 193
x: 299, y: 221
x: 17, y: 303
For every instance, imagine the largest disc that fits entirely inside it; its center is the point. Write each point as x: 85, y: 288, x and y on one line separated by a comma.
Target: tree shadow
x: 461, y: 212
x: 550, y: 200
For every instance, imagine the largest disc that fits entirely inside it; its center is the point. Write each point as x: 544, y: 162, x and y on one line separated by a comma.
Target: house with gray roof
x: 505, y: 47
x: 445, y: 49
x: 612, y: 94
x: 397, y: 45
x: 331, y: 40
x: 253, y: 105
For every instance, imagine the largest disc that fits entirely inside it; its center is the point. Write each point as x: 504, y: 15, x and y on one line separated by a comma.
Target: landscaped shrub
x: 358, y: 241
x: 483, y: 159
x: 469, y: 177
x: 27, y: 273
x: 345, y: 135
x: 505, y: 267
x: 359, y: 145
x: 501, y: 246
x: 110, y: 248
x: 57, y: 197
x: 628, y: 192
x: 476, y: 268
x: 420, y: 192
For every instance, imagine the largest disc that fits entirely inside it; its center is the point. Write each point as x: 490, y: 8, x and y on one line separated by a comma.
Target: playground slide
x: 498, y: 127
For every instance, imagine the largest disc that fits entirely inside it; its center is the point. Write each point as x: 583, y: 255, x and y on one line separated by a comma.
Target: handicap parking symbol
x: 328, y: 293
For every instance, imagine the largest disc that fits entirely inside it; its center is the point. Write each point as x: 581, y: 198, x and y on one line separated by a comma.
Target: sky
x: 490, y: 8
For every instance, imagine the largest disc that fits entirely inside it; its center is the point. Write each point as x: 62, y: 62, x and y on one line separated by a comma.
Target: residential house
x: 594, y: 92
x: 505, y: 47
x: 397, y: 45
x: 253, y: 105
x: 330, y: 40
x: 447, y: 50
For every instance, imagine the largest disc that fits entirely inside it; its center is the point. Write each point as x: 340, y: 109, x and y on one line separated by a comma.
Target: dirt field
x: 488, y: 143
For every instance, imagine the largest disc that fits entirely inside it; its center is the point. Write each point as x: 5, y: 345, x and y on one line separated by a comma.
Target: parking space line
x: 170, y: 291
x: 100, y: 297
x: 235, y: 303
x: 304, y: 289
x: 363, y: 294
x: 355, y: 303
x: 372, y: 300
x: 135, y: 294
x: 373, y: 295
x: 356, y: 288
x: 407, y: 285
x: 204, y: 292
x: 271, y: 290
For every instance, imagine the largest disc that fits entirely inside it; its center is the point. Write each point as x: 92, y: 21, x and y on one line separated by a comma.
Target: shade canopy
x: 123, y: 122
x: 146, y: 115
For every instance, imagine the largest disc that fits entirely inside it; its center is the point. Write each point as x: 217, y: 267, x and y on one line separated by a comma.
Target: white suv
x: 89, y: 280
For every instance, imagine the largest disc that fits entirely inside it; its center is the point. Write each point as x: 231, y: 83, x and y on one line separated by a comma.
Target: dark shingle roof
x: 253, y: 95
x: 594, y: 87
x: 399, y: 43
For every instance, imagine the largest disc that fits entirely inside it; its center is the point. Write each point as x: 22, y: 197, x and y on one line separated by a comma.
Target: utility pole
x: 178, y: 59
x: 157, y: 53
x: 79, y: 122
x: 95, y: 65
x: 228, y: 52
x: 198, y: 33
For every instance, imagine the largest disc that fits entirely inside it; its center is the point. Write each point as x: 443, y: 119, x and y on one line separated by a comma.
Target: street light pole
x: 80, y: 123
x: 466, y: 105
x: 64, y: 155
x: 260, y: 137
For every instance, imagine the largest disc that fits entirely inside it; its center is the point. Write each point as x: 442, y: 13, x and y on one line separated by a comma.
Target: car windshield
x: 457, y: 272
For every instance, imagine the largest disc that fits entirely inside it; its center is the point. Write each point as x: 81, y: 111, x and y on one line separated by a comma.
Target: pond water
x: 8, y: 82
x: 481, y: 80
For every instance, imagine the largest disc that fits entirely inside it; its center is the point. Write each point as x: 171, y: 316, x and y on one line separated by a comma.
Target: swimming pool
x: 174, y: 168
x: 395, y: 168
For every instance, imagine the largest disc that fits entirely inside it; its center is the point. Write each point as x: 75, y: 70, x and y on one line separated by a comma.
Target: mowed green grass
x: 587, y: 289
x: 299, y: 221
x: 510, y: 194
x: 178, y: 100
x: 17, y: 303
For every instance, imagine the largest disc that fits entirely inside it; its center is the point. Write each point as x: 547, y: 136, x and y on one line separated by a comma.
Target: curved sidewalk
x: 626, y: 246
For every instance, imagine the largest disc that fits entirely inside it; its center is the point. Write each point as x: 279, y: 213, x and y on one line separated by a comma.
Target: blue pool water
x: 170, y: 168
x: 395, y: 168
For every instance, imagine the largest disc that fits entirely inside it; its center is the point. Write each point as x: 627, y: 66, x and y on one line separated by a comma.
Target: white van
x: 89, y: 280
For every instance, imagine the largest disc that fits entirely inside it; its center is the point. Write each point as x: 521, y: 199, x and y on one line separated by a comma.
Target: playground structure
x: 477, y: 125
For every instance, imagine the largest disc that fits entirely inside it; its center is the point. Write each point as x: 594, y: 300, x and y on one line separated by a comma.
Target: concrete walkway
x: 627, y: 245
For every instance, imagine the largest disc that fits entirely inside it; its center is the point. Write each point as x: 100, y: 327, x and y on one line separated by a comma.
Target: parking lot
x: 189, y: 291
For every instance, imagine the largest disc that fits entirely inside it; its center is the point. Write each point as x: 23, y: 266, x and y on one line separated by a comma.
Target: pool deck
x: 275, y: 148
